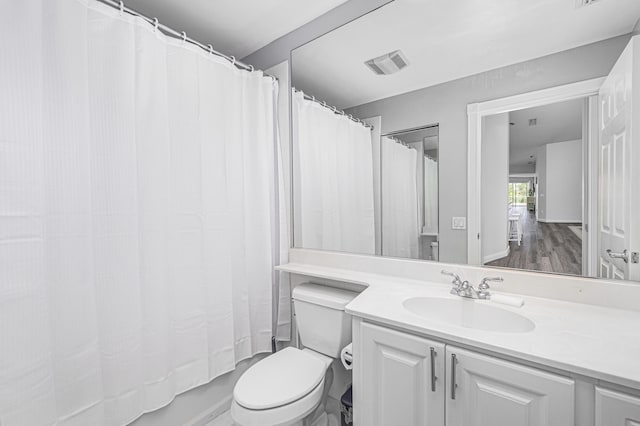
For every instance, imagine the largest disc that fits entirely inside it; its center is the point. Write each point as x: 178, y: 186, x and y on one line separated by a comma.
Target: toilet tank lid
x: 330, y: 297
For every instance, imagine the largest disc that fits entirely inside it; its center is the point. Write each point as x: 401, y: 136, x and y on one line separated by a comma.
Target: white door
x: 616, y: 409
x: 485, y: 391
x: 619, y: 169
x: 402, y: 379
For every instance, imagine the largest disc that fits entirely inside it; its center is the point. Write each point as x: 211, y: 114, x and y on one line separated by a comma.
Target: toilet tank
x: 322, y: 323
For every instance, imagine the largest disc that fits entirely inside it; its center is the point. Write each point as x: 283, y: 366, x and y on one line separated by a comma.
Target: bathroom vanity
x: 417, y: 380
x: 550, y: 362
x: 410, y: 379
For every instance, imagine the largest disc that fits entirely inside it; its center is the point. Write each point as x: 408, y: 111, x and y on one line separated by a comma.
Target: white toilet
x: 287, y: 387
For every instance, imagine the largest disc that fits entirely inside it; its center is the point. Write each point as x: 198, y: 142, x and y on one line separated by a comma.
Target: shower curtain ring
x: 313, y: 98
x: 184, y: 36
x: 155, y: 24
x: 121, y: 7
x: 233, y: 60
x: 210, y: 48
x: 251, y: 68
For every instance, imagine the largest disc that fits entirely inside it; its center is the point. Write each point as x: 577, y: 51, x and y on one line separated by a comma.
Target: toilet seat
x: 279, y: 416
x: 281, y: 389
x: 280, y: 379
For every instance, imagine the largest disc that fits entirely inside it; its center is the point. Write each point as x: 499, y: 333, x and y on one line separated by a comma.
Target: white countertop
x: 594, y: 341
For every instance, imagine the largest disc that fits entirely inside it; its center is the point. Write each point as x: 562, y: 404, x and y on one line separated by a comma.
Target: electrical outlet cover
x: 458, y: 223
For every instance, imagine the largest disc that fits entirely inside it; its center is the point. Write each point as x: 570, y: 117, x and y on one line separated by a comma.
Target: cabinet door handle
x: 454, y: 385
x: 433, y: 370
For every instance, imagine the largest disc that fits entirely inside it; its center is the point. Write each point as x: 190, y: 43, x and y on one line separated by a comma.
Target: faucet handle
x: 484, y: 284
x: 456, y: 277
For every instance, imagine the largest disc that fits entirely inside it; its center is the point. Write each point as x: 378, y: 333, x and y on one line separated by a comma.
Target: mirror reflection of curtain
x: 430, y: 196
x: 334, y: 198
x: 400, y: 209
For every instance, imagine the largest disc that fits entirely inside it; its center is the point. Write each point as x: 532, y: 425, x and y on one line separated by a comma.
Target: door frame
x: 477, y: 111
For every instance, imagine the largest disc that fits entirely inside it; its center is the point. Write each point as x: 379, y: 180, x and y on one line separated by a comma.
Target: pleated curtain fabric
x: 138, y: 197
x: 333, y: 180
x: 400, y: 207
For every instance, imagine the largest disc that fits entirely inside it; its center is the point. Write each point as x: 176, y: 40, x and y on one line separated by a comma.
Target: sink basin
x: 468, y: 313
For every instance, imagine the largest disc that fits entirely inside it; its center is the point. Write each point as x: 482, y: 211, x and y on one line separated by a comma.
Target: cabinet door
x: 484, y: 391
x: 402, y: 379
x: 616, y: 409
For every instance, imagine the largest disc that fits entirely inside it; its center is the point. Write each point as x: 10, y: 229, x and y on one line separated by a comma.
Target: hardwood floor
x: 550, y: 247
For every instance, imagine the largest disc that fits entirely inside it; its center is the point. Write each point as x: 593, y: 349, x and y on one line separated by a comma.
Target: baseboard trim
x: 559, y: 221
x: 211, y: 413
x: 496, y: 256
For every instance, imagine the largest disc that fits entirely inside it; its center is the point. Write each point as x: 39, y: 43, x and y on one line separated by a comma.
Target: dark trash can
x: 346, y: 408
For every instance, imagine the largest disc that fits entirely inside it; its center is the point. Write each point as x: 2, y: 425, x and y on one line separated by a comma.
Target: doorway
x: 553, y: 229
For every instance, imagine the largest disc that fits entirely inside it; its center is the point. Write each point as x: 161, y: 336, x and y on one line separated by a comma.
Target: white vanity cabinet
x: 616, y: 408
x: 487, y: 391
x: 402, y: 379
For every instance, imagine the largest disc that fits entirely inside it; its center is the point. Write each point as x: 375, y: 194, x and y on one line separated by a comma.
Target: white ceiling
x: 557, y: 122
x: 446, y: 40
x: 234, y: 27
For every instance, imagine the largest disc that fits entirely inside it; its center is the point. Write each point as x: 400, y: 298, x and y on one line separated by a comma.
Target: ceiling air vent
x: 533, y: 121
x: 388, y: 63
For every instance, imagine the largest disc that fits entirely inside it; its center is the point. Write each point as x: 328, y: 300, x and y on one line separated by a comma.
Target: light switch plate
x: 458, y: 223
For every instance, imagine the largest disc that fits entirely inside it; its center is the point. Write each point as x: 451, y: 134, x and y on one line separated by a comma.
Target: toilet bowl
x: 288, y: 387
x: 282, y: 389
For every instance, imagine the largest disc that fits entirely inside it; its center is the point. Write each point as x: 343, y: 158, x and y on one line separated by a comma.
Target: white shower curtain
x: 430, y: 196
x: 333, y: 180
x: 137, y: 203
x: 400, y: 207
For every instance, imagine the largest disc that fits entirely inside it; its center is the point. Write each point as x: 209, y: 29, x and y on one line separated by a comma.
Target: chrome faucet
x: 483, y: 287
x: 464, y: 289
x: 461, y: 288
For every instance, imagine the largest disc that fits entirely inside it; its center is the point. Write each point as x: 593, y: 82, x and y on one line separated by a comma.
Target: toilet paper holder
x: 346, y: 356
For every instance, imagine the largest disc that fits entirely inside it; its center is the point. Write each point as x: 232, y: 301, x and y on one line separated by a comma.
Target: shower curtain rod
x: 334, y: 109
x: 183, y: 36
x: 396, y: 140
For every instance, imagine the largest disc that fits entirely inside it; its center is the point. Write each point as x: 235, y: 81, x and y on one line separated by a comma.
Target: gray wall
x: 522, y: 168
x: 280, y: 49
x: 446, y: 104
x: 563, y: 176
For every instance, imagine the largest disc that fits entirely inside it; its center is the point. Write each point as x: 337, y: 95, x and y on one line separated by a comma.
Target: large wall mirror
x: 385, y: 161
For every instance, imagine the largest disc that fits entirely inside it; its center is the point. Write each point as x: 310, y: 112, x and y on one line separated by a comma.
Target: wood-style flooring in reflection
x: 549, y: 247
